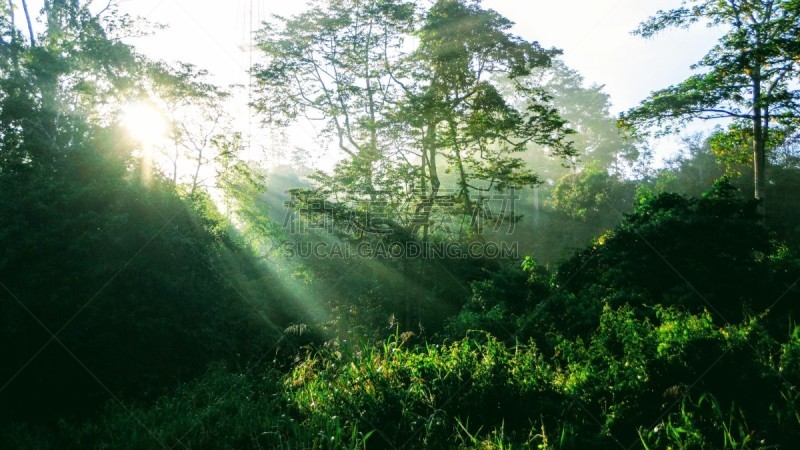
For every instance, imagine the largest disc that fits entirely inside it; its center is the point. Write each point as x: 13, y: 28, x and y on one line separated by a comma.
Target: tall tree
x: 331, y: 64
x: 75, y: 67
x: 597, y: 139
x: 750, y: 75
x: 410, y: 96
x: 195, y: 109
x: 460, y: 113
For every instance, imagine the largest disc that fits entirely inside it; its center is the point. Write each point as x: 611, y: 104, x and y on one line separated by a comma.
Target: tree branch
x: 28, y: 20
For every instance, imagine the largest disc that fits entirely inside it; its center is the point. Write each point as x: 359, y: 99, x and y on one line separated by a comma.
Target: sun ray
x: 148, y: 127
x: 144, y: 122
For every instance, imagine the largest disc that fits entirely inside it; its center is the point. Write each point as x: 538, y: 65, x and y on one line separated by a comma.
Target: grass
x: 634, y: 382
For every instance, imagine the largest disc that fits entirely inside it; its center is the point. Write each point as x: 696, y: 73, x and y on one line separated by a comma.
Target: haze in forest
x: 400, y: 224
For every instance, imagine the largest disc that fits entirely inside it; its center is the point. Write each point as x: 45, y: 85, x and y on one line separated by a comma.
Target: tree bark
x: 759, y: 147
x: 422, y: 212
x: 11, y: 12
x: 196, y: 177
x: 30, y: 26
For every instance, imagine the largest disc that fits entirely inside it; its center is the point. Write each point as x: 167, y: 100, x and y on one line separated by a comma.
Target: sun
x: 144, y: 122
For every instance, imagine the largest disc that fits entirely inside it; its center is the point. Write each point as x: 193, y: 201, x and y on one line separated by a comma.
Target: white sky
x: 594, y: 35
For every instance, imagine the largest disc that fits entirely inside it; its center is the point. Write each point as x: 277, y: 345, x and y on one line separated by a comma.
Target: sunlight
x: 144, y: 122
x: 148, y: 126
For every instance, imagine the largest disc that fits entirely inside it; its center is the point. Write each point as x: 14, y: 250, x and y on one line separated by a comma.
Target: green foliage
x: 601, y: 370
x: 747, y: 77
x: 407, y: 118
x: 133, y: 316
x: 222, y: 410
x: 597, y: 140
x: 117, y: 265
x: 705, y: 424
x: 412, y: 397
x: 707, y: 253
x: 674, y: 381
x: 592, y: 196
x: 112, y: 288
x: 497, y: 304
x: 697, y: 167
x: 733, y: 146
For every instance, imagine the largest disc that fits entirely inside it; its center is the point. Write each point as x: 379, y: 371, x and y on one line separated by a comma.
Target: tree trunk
x: 422, y: 212
x: 196, y: 177
x: 28, y: 19
x: 759, y: 147
x: 469, y: 208
x: 175, y: 166
x: 11, y: 12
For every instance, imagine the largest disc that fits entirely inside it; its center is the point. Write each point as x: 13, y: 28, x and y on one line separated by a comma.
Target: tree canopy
x: 750, y: 76
x: 410, y: 95
x: 110, y: 287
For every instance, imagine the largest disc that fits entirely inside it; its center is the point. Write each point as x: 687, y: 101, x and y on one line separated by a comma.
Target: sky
x: 595, y: 36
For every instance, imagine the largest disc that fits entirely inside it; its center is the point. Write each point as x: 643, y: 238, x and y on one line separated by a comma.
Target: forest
x: 494, y: 260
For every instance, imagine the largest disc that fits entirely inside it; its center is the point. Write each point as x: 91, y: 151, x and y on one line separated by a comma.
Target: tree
x: 597, y: 140
x: 460, y: 114
x: 332, y: 64
x: 592, y: 196
x: 696, y: 168
x: 750, y: 75
x: 94, y: 261
x: 403, y: 100
x: 724, y: 260
x: 203, y: 143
